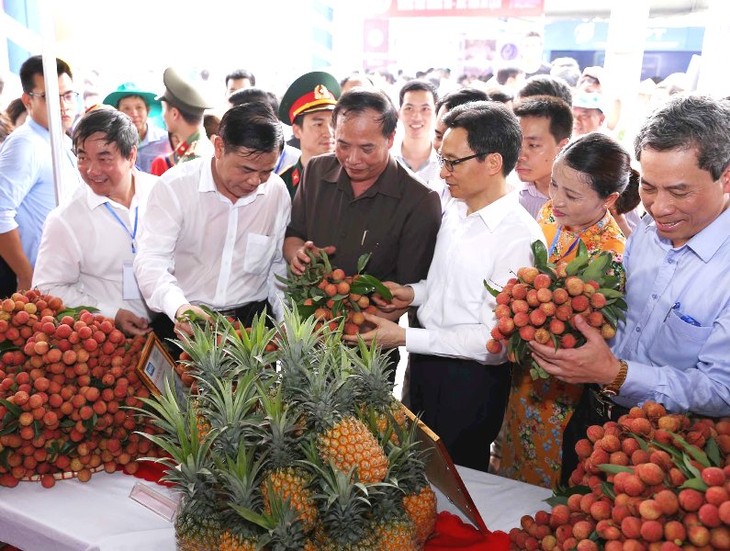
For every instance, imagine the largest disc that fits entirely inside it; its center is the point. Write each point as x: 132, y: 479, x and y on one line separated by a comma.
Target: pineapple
x: 406, y: 470
x: 278, y: 433
x: 197, y: 525
x: 374, y: 391
x: 240, y: 479
x: 342, y: 438
x: 299, y: 344
x: 344, y: 506
x: 252, y: 348
x: 283, y: 530
x: 396, y: 535
x: 229, y: 406
x: 390, y: 524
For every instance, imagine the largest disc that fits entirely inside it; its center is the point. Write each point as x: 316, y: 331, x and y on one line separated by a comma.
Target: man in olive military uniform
x: 183, y: 108
x: 307, y: 107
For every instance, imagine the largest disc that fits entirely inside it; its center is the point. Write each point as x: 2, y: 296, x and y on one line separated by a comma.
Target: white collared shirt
x: 455, y: 310
x: 84, y: 247
x: 198, y: 247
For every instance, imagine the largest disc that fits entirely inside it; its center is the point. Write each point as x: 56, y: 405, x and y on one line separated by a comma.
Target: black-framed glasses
x: 450, y: 164
x: 68, y: 97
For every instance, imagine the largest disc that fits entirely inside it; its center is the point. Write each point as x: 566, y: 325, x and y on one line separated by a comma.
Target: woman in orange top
x: 588, y: 176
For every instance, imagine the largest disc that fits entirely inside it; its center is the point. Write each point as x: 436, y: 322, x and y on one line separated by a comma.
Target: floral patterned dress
x: 539, y: 410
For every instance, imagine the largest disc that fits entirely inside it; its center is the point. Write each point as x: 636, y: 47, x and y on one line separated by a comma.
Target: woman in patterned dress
x: 588, y: 177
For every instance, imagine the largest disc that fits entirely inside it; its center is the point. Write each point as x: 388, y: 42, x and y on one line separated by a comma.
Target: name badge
x: 130, y: 289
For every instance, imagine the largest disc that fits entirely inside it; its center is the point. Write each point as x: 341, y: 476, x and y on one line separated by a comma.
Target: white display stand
x: 99, y: 515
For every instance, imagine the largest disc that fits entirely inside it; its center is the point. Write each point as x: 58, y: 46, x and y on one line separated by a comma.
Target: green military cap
x: 181, y: 94
x: 131, y: 89
x: 315, y: 91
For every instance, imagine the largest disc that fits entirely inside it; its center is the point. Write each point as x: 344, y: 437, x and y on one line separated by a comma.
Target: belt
x: 246, y: 312
x: 604, y: 406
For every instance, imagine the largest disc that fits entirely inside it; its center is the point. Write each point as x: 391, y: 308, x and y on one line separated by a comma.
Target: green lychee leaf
x: 694, y: 471
x: 713, y: 452
x: 491, y: 290
x: 607, y: 489
x: 615, y: 469
x: 695, y: 484
x: 696, y: 453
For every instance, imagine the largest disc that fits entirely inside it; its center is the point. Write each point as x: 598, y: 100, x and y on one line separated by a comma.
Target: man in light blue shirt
x: 27, y: 191
x: 673, y: 347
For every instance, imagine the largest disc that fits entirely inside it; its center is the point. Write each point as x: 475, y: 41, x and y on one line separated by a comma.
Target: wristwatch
x: 612, y: 389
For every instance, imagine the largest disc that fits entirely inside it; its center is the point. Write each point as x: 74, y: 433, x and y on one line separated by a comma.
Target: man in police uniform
x: 143, y: 108
x: 307, y: 107
x: 183, y: 108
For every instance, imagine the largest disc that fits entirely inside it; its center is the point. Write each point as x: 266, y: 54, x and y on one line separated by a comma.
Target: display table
x: 99, y: 515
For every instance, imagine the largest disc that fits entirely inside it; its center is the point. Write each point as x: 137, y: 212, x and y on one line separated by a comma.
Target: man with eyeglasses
x: 459, y: 387
x: 27, y: 191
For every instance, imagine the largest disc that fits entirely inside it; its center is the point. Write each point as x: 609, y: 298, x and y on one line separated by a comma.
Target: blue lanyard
x: 132, y: 234
x: 555, y: 242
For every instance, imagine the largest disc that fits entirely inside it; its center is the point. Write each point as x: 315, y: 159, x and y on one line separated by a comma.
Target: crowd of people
x: 443, y: 190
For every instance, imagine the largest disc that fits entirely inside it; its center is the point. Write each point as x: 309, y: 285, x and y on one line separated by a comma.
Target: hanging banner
x: 462, y: 8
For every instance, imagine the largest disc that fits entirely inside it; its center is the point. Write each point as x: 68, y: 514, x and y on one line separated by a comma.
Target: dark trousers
x: 164, y: 328
x: 591, y: 409
x: 8, y: 280
x: 463, y: 402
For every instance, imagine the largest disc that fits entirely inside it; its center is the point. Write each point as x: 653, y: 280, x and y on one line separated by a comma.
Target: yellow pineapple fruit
x: 421, y: 508
x: 349, y: 444
x: 291, y: 484
x: 396, y: 535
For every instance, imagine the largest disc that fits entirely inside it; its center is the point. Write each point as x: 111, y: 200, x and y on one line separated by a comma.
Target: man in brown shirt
x: 360, y: 200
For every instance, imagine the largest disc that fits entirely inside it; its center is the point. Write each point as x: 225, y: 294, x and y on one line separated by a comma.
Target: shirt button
x: 670, y: 261
x: 638, y: 329
x: 654, y: 296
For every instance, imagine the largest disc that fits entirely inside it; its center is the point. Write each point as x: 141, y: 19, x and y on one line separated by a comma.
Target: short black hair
x: 115, y: 125
x: 556, y: 110
x: 491, y: 128
x: 418, y: 85
x: 247, y: 95
x: 460, y: 97
x: 241, y: 73
x: 253, y: 126
x: 506, y: 73
x: 358, y: 100
x: 15, y: 109
x: 34, y: 66
x: 190, y: 117
x: 546, y: 85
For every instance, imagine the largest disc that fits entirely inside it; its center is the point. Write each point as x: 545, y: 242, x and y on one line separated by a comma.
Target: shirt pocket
x: 678, y: 343
x: 259, y: 253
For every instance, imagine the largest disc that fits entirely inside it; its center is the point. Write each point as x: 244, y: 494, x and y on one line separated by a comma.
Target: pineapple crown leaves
x: 284, y: 529
x: 190, y: 455
x: 297, y: 338
x: 230, y: 407
x: 206, y: 347
x: 248, y: 347
x: 240, y: 477
x: 278, y: 428
x: 406, y: 460
x: 180, y: 436
x: 371, y: 370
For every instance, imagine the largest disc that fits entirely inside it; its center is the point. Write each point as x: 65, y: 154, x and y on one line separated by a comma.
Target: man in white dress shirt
x: 214, y: 229
x: 460, y: 388
x: 88, y: 245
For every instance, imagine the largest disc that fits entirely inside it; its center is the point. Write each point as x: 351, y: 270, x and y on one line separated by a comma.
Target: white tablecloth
x: 99, y: 515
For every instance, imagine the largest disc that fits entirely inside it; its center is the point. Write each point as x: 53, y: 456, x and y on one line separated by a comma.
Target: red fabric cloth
x: 149, y: 470
x: 453, y: 533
